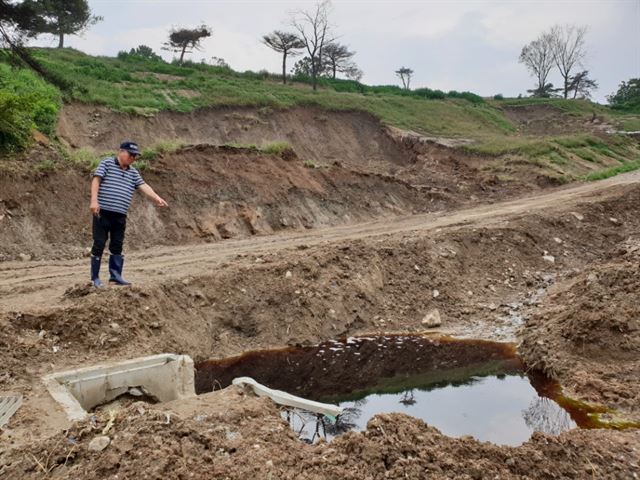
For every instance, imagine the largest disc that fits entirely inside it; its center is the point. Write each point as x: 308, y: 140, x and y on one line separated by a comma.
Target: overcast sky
x: 451, y: 45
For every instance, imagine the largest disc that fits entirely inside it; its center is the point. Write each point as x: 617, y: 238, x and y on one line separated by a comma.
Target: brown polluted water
x: 462, y: 387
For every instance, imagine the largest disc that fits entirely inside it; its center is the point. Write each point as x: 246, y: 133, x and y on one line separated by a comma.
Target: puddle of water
x: 462, y: 387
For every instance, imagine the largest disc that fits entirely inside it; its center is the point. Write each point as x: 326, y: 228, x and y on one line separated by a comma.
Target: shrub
x: 26, y: 102
x: 16, y: 121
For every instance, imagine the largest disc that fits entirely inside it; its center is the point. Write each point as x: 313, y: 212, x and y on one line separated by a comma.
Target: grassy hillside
x: 137, y: 85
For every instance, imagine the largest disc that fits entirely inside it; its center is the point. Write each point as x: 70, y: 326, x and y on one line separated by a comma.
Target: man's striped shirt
x: 117, y: 185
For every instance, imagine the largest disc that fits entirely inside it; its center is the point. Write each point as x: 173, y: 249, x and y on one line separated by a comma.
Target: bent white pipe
x: 284, y: 398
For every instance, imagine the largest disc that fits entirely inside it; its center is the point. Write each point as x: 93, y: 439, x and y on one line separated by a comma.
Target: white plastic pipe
x: 284, y: 398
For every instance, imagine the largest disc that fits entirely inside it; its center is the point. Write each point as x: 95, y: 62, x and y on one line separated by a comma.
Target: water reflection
x: 504, y: 410
x: 545, y: 415
x: 462, y: 387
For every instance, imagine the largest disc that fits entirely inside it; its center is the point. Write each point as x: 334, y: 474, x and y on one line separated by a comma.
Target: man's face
x: 125, y: 158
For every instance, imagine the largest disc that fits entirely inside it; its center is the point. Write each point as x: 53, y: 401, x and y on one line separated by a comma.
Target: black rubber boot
x: 116, y: 262
x: 95, y: 271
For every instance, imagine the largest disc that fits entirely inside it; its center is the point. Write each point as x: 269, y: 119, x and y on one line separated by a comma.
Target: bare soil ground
x: 229, y: 192
x: 228, y: 434
x: 540, y: 119
x: 487, y: 265
x: 259, y: 251
x: 588, y: 333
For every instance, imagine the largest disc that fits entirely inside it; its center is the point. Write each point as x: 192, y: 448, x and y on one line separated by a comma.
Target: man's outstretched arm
x: 148, y: 191
x: 95, y: 186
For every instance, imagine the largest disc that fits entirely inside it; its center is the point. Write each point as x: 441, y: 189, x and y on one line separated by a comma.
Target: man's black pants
x: 108, y: 224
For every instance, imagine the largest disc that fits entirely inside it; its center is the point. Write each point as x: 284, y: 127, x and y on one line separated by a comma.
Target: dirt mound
x: 588, y: 335
x: 355, y: 139
x: 544, y: 119
x: 232, y: 435
x: 213, y: 193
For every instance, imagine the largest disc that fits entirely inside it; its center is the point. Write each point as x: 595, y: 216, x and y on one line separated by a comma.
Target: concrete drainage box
x: 165, y: 377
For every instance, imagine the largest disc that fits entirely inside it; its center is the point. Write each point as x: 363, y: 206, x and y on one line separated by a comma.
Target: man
x: 112, y: 187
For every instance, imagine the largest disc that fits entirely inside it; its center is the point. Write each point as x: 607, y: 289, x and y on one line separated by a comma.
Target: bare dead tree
x: 315, y: 31
x: 569, y: 50
x: 405, y: 74
x: 537, y: 56
x: 286, y: 43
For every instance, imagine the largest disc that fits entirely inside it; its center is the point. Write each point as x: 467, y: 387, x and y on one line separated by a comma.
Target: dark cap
x: 131, y: 147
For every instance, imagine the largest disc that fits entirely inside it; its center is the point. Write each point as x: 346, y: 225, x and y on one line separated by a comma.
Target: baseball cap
x: 131, y: 147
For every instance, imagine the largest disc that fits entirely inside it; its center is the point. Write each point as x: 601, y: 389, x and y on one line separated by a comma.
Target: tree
x: 337, y: 58
x: 285, y: 43
x: 62, y: 17
x: 545, y: 91
x: 405, y: 74
x: 581, y: 84
x: 315, y: 32
x: 537, y: 56
x: 185, y: 40
x: 354, y: 73
x: 569, y: 51
x: 17, y: 21
x: 628, y: 95
x: 302, y: 68
x: 21, y: 18
x: 141, y: 51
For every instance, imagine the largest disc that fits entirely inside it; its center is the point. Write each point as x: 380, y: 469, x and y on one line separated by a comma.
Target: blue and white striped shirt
x: 117, y: 185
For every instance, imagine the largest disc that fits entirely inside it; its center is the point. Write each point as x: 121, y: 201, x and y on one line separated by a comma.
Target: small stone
x: 269, y: 463
x: 614, y: 220
x: 99, y: 443
x: 41, y: 334
x: 557, y: 240
x: 432, y: 319
x: 510, y: 462
x: 136, y: 392
x: 577, y: 216
x: 24, y: 257
x: 549, y: 258
x: 436, y: 293
x: 154, y: 325
x: 416, y: 268
x: 114, y: 325
x: 288, y: 274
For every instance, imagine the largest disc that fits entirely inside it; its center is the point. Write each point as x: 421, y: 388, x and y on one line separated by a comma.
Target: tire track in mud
x: 42, y: 284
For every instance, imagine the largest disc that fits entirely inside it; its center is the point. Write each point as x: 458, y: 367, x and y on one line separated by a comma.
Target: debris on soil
x: 587, y: 334
x: 228, y: 434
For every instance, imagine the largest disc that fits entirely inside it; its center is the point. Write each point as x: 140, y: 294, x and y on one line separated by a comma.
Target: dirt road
x: 42, y: 284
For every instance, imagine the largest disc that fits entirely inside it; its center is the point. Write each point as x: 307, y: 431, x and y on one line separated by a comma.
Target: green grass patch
x: 613, y: 171
x: 146, y: 87
x: 46, y: 165
x: 630, y: 123
x: 586, y: 154
x: 276, y: 148
x: 83, y: 158
x: 160, y: 148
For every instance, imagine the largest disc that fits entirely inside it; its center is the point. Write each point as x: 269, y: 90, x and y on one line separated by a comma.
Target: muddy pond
x: 461, y: 387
